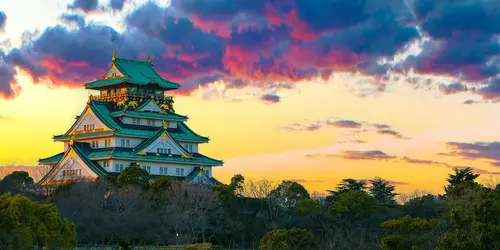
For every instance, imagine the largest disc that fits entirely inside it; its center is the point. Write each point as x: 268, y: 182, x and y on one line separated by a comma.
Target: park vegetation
x: 135, y: 209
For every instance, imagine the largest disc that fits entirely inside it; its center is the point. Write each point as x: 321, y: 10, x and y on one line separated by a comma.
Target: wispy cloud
x: 395, y: 183
x: 378, y: 155
x: 353, y: 127
x: 270, y: 98
x: 476, y: 150
x: 303, y: 180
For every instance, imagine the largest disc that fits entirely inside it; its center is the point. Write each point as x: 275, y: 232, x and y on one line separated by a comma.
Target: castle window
x: 151, y: 122
x: 191, y: 148
x: 95, y: 144
x: 118, y: 167
x: 179, y: 171
x: 163, y: 170
x: 107, y: 143
x: 105, y: 164
x: 169, y: 151
x: 136, y: 121
x: 125, y: 143
x: 88, y: 127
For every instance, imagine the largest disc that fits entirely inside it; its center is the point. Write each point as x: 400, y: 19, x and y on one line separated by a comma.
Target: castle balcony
x: 128, y: 96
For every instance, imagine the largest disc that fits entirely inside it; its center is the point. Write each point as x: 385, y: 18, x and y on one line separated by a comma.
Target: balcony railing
x: 114, y: 97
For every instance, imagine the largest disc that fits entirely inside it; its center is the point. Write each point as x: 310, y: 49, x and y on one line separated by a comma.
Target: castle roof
x: 132, y: 72
x: 104, y: 111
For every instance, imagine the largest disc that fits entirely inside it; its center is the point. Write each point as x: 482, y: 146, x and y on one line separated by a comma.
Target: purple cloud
x: 3, y: 20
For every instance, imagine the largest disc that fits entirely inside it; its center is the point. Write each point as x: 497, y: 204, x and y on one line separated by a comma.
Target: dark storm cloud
x: 84, y: 5
x: 73, y: 19
x: 116, y: 4
x: 7, y: 73
x: 3, y: 20
x: 259, y: 42
x: 458, y: 46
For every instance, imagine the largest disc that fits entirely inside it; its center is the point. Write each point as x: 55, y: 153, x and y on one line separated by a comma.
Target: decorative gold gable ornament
x: 164, y: 124
x: 72, y: 140
x: 114, y: 56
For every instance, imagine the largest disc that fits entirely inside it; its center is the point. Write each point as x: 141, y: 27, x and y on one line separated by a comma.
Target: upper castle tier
x: 131, y: 122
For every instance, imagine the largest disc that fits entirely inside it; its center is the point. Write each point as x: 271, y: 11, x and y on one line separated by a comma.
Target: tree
x: 133, y: 175
x: 24, y: 223
x: 356, y: 204
x: 288, y: 194
x: 345, y: 186
x: 382, y: 191
x: 237, y: 183
x: 409, y: 233
x: 460, y: 176
x: 287, y: 239
x: 426, y: 206
x: 16, y: 182
x: 474, y: 217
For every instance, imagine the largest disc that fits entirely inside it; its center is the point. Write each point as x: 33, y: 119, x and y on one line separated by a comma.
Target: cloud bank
x: 196, y: 42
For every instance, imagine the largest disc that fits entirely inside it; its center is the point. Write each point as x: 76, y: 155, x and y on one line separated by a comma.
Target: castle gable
x: 88, y: 121
x: 113, y: 72
x: 150, y: 106
x: 164, y: 144
x: 70, y: 167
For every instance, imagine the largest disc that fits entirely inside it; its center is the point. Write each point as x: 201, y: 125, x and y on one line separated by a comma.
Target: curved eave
x: 150, y: 115
x: 151, y: 159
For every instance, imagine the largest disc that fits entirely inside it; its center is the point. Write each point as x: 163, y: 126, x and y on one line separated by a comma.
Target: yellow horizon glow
x: 250, y: 138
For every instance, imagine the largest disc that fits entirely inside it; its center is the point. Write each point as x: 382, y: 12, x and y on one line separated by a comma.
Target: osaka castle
x: 131, y: 122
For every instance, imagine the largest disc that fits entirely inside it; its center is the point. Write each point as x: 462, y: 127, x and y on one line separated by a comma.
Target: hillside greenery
x: 136, y: 210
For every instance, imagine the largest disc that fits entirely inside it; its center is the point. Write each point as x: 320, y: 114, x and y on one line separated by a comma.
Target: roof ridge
x: 135, y: 61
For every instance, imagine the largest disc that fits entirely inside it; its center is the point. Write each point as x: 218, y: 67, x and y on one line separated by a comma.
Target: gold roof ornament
x: 164, y: 124
x: 114, y: 56
x: 150, y: 60
x: 90, y: 99
x: 137, y: 163
x: 72, y: 140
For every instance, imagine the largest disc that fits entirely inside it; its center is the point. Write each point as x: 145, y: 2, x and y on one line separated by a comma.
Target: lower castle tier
x: 118, y: 129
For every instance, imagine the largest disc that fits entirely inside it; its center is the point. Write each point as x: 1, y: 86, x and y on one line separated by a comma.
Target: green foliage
x: 475, y: 218
x: 345, y: 186
x: 460, y: 176
x: 237, y: 183
x: 425, y: 206
x: 287, y: 239
x: 408, y: 233
x: 288, y: 194
x: 309, y: 206
x: 16, y: 182
x: 24, y: 223
x: 355, y: 204
x: 382, y: 191
x: 133, y: 175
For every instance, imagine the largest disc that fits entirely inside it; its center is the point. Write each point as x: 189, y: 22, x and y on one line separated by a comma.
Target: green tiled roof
x: 102, y: 111
x: 52, y: 159
x: 83, y: 135
x: 82, y: 150
x: 136, y: 72
x: 163, y: 116
x: 123, y: 153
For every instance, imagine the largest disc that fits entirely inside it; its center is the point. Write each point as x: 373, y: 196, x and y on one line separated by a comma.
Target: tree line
x: 134, y: 209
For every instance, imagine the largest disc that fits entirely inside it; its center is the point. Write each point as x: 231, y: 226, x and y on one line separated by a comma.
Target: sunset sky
x: 312, y: 91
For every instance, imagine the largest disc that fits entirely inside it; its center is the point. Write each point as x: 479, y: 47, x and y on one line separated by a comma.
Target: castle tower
x: 132, y: 121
